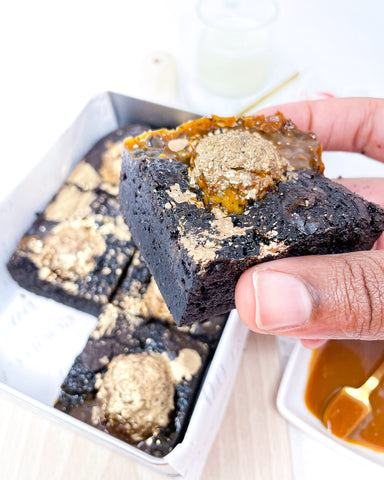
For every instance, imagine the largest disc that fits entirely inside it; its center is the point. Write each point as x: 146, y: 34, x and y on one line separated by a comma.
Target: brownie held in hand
x: 213, y: 197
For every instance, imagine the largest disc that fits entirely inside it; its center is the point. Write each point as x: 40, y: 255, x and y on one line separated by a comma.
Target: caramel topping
x: 235, y: 160
x: 341, y: 363
x: 236, y: 166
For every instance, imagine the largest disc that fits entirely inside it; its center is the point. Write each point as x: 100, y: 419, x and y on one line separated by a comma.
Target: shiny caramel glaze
x: 348, y: 362
x: 300, y: 149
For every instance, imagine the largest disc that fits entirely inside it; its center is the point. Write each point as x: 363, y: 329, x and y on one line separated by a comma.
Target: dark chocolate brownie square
x: 136, y: 342
x: 78, y: 248
x: 136, y: 380
x: 199, y: 225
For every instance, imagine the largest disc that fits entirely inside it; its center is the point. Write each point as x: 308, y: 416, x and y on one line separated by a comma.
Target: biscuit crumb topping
x: 155, y: 303
x: 111, y: 166
x: 106, y: 323
x: 84, y: 176
x: 68, y: 252
x: 70, y: 203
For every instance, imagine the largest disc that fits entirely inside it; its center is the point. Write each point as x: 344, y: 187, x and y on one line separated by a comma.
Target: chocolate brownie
x: 74, y: 253
x: 213, y: 197
x: 137, y: 380
x: 78, y: 248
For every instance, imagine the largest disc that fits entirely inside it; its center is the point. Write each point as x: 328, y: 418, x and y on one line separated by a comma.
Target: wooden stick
x: 269, y: 94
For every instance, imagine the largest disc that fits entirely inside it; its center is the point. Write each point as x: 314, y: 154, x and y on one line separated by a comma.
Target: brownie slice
x: 74, y: 255
x: 78, y: 248
x: 137, y: 380
x: 197, y: 237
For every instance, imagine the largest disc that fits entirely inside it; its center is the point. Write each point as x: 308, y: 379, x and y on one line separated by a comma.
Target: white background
x: 55, y: 56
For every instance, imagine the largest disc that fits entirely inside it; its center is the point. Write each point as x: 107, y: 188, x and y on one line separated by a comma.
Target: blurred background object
x: 159, y: 78
x: 234, y: 48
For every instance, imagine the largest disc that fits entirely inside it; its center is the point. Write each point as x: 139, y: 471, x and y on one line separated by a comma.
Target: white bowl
x: 291, y: 404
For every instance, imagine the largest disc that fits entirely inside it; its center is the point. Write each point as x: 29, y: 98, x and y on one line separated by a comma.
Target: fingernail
x: 283, y: 301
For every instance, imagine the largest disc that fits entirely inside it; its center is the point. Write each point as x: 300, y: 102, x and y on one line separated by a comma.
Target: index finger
x: 348, y: 124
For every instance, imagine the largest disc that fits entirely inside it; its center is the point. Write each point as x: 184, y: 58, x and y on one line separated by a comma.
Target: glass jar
x: 234, y: 46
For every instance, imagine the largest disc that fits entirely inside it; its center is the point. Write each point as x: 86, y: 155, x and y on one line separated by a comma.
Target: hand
x: 315, y: 298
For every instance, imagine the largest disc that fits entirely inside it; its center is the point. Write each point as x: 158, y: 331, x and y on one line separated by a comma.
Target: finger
x: 372, y: 189
x: 316, y: 297
x: 308, y: 343
x: 349, y: 124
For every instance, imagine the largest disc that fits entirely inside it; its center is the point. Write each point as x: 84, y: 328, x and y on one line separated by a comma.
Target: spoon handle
x: 374, y: 380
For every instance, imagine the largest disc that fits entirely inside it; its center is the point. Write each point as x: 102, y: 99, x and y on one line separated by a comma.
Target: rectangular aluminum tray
x: 40, y: 338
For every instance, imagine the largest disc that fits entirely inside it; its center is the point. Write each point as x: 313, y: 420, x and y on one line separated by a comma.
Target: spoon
x: 350, y: 406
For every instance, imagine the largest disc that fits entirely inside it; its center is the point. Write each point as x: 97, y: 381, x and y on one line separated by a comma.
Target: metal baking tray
x: 40, y: 338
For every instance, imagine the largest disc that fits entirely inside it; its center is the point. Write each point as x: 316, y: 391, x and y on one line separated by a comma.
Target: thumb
x: 316, y: 297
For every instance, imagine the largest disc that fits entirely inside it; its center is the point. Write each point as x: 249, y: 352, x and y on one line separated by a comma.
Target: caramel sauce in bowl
x: 348, y: 362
